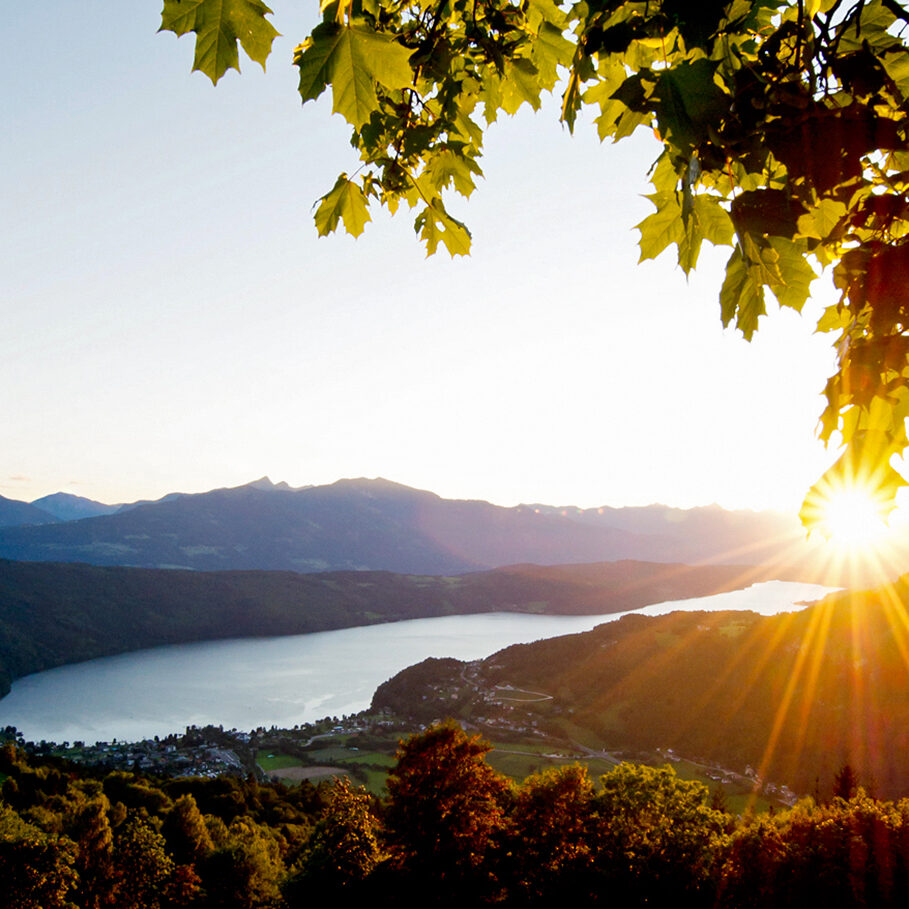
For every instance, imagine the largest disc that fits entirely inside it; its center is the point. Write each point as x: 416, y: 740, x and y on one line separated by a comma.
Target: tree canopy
x: 785, y: 133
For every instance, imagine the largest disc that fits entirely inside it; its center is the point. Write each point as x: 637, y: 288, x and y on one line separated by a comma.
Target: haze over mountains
x: 13, y: 513
x: 66, y: 507
x: 375, y: 524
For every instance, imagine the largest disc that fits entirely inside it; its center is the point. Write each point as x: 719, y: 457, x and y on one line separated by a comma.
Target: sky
x: 172, y: 322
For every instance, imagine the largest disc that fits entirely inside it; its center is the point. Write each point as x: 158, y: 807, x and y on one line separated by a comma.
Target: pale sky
x: 171, y: 321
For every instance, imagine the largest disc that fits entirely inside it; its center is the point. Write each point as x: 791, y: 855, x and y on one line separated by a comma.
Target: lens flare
x: 853, y: 518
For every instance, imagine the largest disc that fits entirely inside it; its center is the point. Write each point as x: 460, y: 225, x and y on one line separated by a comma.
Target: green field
x: 515, y: 759
x: 275, y: 760
x: 518, y: 766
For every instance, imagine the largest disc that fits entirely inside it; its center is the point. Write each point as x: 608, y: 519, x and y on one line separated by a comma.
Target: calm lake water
x: 249, y: 682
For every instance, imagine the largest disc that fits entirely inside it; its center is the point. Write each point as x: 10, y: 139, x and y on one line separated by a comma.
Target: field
x: 269, y: 761
x: 367, y: 760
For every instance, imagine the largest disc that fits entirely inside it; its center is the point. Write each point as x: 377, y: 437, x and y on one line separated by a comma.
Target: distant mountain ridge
x: 67, y: 507
x: 376, y: 524
x: 14, y: 513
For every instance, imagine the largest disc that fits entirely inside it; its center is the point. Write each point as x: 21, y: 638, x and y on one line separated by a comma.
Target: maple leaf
x: 741, y: 297
x: 435, y: 225
x: 353, y: 59
x: 344, y: 202
x: 219, y: 25
x: 663, y: 227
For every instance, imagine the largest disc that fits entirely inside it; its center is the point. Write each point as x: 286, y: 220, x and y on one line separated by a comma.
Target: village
x: 529, y: 731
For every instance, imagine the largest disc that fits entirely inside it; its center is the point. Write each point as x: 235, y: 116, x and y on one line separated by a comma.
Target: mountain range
x: 376, y: 524
x: 14, y: 513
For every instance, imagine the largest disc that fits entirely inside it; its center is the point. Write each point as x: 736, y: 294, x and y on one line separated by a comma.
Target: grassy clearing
x: 519, y: 761
x: 331, y: 754
x: 519, y: 766
x: 585, y: 736
x: 371, y: 757
x: 375, y: 780
x: 738, y: 796
x: 275, y: 760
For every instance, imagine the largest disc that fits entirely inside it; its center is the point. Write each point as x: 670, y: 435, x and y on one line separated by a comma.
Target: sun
x: 854, y: 518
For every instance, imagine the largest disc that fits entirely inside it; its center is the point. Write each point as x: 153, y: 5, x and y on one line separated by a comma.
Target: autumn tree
x: 142, y: 868
x: 784, y: 133
x: 551, y: 835
x: 36, y: 869
x: 246, y: 871
x: 845, y: 782
x: 445, y: 810
x: 848, y: 853
x: 343, y: 849
x: 184, y: 829
x: 86, y: 822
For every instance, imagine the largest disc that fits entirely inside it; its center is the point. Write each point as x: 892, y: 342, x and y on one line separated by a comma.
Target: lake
x: 248, y: 682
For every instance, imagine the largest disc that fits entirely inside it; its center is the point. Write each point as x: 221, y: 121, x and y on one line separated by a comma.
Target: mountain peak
x: 68, y: 507
x: 266, y: 484
x: 379, y: 485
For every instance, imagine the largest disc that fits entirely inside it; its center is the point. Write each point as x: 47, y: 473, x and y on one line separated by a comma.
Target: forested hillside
x: 52, y: 614
x: 794, y: 696
x: 450, y: 829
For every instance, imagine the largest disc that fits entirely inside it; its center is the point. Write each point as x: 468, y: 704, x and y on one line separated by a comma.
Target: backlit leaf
x: 689, y: 101
x: 795, y: 271
x: 434, y: 225
x: 521, y: 83
x: 218, y: 26
x: 550, y: 51
x: 352, y: 58
x: 661, y: 228
x: 716, y: 225
x: 346, y: 202
x: 448, y: 168
x: 822, y: 219
x: 741, y: 297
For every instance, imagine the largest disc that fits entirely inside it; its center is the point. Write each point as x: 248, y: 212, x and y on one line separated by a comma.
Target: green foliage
x: 36, y: 868
x: 143, y: 867
x: 551, y: 831
x: 219, y: 25
x: 643, y: 837
x: 356, y: 61
x: 446, y: 807
x: 784, y: 123
x: 848, y: 853
x: 246, y: 871
x: 658, y: 835
x: 344, y: 847
x: 185, y: 830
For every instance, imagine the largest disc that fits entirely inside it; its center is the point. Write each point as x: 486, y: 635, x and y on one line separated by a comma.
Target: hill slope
x: 795, y: 695
x: 51, y: 614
